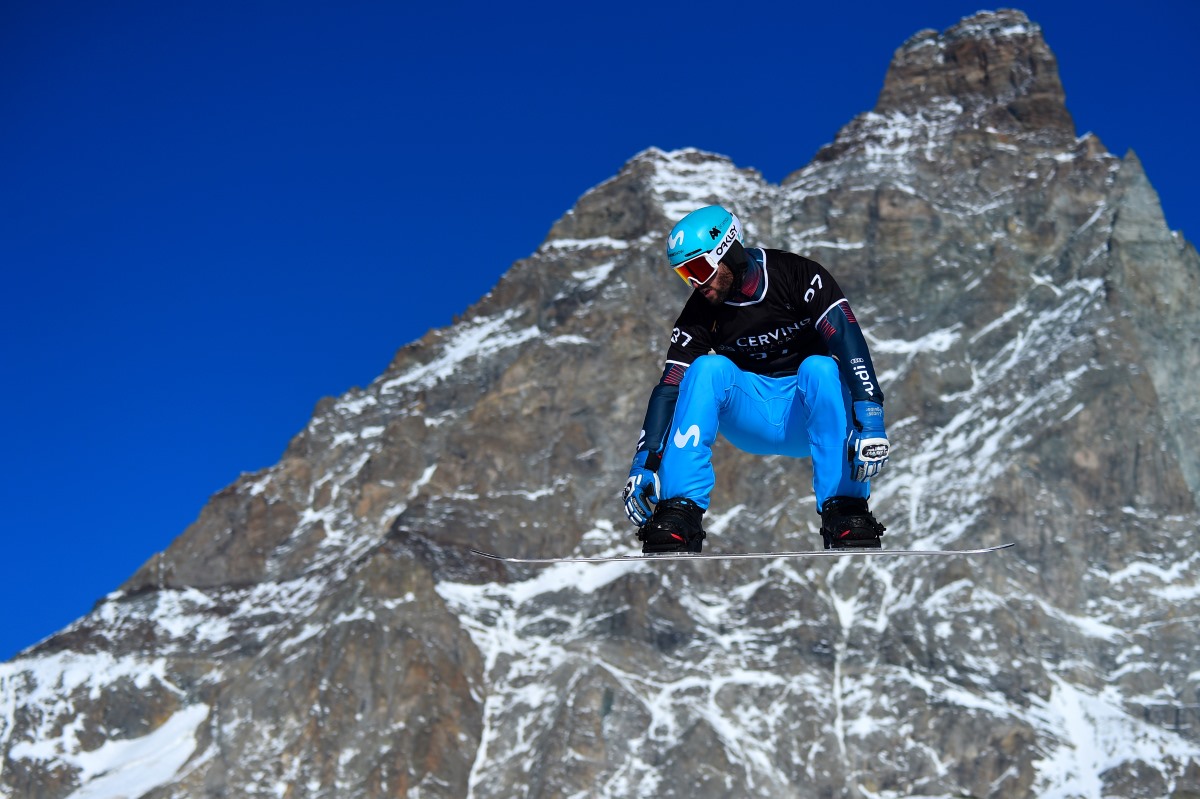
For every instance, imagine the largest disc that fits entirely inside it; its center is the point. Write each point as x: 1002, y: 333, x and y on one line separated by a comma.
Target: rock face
x: 320, y: 631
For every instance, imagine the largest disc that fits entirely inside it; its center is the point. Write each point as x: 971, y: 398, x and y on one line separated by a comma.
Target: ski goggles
x: 699, y: 270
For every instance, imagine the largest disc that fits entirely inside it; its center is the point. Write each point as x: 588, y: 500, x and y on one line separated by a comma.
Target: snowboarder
x: 789, y: 374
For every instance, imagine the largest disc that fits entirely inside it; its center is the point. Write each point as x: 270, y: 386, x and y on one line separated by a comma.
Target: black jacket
x: 788, y: 308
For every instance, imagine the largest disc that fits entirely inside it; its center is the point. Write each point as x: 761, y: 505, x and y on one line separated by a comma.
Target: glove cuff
x: 868, y: 415
x: 645, y: 459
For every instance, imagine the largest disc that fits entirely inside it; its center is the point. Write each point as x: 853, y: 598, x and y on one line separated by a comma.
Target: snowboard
x: 815, y: 553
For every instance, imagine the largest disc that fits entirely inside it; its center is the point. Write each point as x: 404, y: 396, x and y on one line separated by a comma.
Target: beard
x: 716, y: 291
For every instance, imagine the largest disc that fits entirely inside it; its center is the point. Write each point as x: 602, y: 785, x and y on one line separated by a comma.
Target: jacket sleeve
x: 689, y: 340
x: 817, y: 291
x: 839, y: 328
x: 659, y: 412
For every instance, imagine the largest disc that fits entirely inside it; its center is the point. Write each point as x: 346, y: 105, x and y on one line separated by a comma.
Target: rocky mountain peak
x: 994, y: 64
x: 988, y: 79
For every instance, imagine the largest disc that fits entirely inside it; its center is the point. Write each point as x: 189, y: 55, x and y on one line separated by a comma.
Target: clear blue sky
x: 213, y: 214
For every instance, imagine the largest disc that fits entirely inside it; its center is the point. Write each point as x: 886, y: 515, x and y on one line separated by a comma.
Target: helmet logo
x: 730, y: 237
x: 686, y: 239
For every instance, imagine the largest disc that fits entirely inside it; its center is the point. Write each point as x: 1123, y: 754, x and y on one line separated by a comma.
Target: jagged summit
x: 995, y: 64
x: 987, y: 79
x: 652, y: 191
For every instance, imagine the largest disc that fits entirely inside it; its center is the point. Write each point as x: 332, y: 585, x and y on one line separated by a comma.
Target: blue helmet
x: 710, y: 229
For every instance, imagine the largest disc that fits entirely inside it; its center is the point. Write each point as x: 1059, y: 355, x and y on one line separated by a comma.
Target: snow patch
x: 1093, y: 734
x: 599, y: 242
x: 474, y: 340
x: 134, y: 767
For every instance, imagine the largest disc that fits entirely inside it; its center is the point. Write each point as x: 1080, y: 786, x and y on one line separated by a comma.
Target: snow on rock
x: 51, y: 693
x: 475, y: 340
x: 124, y: 768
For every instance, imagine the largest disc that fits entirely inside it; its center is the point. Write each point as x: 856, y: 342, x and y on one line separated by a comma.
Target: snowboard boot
x: 674, y: 527
x: 846, y: 522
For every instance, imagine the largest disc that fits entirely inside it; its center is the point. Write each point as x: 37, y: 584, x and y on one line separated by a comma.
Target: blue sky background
x: 214, y: 214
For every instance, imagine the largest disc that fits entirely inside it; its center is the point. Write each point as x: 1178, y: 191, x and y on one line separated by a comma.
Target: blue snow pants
x: 803, y: 415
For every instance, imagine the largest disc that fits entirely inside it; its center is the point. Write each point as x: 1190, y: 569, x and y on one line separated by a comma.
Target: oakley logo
x: 729, y: 239
x: 682, y: 439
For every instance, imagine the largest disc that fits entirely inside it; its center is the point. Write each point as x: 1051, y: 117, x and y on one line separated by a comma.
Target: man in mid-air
x: 789, y: 374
